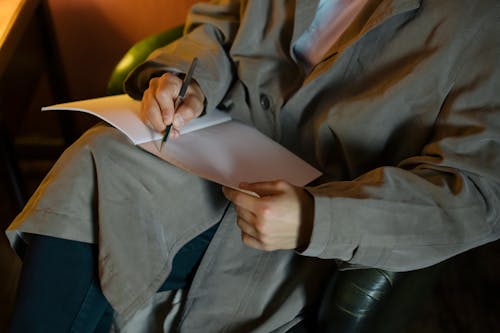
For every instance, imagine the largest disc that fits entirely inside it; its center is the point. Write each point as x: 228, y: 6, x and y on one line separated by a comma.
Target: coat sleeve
x: 436, y: 205
x: 209, y: 31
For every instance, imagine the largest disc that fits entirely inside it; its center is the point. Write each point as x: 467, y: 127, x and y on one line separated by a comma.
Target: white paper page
x: 230, y: 153
x: 122, y: 112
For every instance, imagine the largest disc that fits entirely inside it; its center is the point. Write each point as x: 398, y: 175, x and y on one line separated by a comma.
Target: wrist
x: 306, y: 220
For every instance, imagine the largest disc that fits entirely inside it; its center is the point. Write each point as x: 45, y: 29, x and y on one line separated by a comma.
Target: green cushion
x: 137, y: 54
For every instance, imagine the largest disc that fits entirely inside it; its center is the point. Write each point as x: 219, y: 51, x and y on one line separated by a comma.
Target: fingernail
x: 178, y: 121
x: 165, y: 119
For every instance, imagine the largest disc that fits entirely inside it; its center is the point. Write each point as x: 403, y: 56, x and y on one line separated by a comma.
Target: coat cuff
x: 213, y: 72
x: 328, y: 239
x: 138, y: 80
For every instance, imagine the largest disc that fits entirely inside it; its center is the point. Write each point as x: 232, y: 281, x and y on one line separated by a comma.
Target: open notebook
x: 214, y: 146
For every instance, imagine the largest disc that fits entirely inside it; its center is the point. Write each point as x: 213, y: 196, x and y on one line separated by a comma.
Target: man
x: 394, y: 101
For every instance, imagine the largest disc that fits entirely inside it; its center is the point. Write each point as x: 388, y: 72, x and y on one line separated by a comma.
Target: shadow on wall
x: 93, y: 35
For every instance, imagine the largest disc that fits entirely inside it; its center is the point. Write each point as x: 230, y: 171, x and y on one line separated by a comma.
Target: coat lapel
x: 384, y: 10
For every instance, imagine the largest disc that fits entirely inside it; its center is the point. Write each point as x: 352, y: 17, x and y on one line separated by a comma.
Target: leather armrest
x: 374, y: 300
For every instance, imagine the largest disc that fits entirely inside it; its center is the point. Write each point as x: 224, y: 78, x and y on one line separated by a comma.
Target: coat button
x: 265, y: 103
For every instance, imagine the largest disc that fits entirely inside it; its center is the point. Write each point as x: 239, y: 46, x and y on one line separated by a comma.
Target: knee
x: 102, y: 136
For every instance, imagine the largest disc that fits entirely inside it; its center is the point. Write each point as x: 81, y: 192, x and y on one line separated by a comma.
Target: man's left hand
x: 280, y: 218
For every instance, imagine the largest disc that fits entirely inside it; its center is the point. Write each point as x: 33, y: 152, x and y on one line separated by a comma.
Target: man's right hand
x: 157, y: 106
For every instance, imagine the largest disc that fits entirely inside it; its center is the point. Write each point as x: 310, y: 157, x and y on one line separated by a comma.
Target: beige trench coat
x: 402, y: 116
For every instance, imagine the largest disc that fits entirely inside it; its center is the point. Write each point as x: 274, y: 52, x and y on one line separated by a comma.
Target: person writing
x: 394, y: 101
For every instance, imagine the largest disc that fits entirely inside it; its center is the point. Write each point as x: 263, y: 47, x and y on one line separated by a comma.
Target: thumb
x: 266, y: 188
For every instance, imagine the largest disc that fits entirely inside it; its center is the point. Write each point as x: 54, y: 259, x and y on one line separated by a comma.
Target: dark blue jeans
x: 59, y: 286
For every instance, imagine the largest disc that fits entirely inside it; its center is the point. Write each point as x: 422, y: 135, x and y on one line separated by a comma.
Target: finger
x: 266, y: 188
x: 251, y: 241
x: 245, y: 214
x: 166, y: 89
x: 174, y: 134
x: 191, y: 108
x: 240, y: 199
x: 247, y: 228
x: 150, y: 112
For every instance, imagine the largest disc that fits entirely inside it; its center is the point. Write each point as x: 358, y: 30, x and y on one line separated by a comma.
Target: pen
x: 180, y: 97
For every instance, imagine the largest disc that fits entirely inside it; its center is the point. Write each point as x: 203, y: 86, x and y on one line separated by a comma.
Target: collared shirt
x: 332, y: 19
